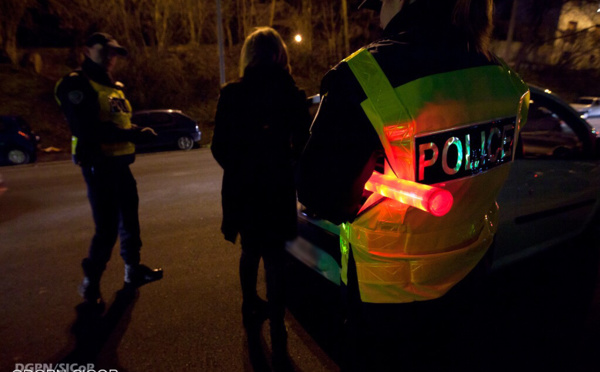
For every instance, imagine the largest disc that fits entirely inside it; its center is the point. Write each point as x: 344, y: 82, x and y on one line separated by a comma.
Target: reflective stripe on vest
x: 403, y: 254
x: 114, y: 108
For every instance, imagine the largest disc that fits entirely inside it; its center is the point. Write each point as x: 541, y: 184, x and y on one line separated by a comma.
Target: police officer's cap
x: 105, y: 40
x: 371, y: 4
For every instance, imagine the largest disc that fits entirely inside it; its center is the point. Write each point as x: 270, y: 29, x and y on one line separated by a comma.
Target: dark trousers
x: 112, y: 192
x: 272, y: 251
x: 435, y: 335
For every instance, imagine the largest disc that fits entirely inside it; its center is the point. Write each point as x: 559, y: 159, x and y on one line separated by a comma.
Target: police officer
x: 103, y: 146
x: 430, y: 104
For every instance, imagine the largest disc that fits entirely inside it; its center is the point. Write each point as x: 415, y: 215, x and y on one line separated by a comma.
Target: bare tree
x: 272, y: 13
x: 345, y: 23
x: 162, y: 15
x: 11, y: 14
x: 197, y: 13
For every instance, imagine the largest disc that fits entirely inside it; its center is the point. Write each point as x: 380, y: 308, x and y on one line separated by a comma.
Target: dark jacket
x: 79, y: 102
x: 261, y: 126
x: 344, y: 148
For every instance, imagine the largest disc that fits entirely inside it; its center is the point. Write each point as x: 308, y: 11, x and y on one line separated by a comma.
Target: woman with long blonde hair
x: 261, y: 126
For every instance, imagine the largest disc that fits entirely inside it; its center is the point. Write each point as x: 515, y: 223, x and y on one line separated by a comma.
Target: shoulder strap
x: 375, y: 84
x: 382, y: 106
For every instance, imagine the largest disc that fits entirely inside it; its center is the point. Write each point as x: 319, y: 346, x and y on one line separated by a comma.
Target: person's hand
x: 148, y: 129
x: 145, y: 135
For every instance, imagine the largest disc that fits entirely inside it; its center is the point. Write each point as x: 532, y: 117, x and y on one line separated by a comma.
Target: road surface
x: 545, y: 310
x: 189, y: 321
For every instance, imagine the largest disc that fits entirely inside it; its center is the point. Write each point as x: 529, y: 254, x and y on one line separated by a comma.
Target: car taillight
x: 431, y: 199
x: 23, y: 134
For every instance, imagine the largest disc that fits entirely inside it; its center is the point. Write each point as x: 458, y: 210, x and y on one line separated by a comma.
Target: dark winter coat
x: 261, y: 127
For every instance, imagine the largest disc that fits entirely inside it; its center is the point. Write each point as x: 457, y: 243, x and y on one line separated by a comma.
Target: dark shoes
x: 135, y: 276
x: 90, y: 291
x: 281, y: 361
x: 254, y: 312
x: 138, y: 275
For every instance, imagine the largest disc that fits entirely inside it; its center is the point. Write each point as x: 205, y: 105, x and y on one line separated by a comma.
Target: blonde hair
x: 264, y: 47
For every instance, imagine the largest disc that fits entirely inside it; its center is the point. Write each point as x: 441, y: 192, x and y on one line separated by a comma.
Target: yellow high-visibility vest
x: 456, y: 130
x: 114, y: 108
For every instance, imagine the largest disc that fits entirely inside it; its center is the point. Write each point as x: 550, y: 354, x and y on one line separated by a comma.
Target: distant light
x: 298, y: 38
x: 547, y: 91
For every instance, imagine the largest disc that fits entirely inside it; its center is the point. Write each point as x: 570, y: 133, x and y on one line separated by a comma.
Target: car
x: 18, y: 143
x: 589, y: 109
x: 173, y: 127
x: 550, y: 196
x: 586, y: 103
x: 3, y: 187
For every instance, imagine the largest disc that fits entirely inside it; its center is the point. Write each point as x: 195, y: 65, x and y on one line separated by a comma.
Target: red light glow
x: 427, y: 198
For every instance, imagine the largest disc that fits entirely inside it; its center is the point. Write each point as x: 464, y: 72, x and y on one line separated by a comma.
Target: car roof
x: 168, y: 111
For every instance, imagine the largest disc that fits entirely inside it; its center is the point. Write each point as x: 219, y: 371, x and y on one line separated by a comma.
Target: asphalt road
x: 189, y: 321
x: 541, y: 315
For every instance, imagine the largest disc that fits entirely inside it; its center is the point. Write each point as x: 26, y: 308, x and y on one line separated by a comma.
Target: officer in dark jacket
x: 103, y: 145
x: 430, y: 105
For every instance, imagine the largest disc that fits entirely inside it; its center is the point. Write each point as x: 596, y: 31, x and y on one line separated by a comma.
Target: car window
x: 140, y: 119
x: 585, y: 101
x: 152, y: 119
x: 548, y: 132
x: 159, y: 118
x: 6, y: 125
x: 23, y: 125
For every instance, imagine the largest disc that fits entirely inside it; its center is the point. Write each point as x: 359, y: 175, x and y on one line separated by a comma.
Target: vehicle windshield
x: 585, y: 101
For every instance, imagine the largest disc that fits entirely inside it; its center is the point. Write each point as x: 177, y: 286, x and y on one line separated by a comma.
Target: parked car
x: 550, y: 196
x: 3, y: 187
x: 173, y: 127
x: 589, y: 109
x: 18, y: 143
x: 586, y: 103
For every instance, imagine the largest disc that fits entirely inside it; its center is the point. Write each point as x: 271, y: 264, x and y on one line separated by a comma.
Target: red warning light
x: 431, y: 199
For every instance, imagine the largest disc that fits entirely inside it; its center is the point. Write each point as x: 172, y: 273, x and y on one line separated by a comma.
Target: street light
x: 298, y: 38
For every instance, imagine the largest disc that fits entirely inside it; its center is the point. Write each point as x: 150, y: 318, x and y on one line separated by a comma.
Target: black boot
x: 89, y: 289
x: 281, y: 358
x: 138, y: 275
